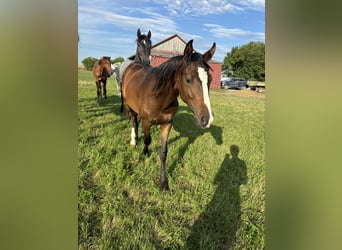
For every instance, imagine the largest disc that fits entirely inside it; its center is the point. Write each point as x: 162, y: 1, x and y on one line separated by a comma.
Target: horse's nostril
x: 204, y: 121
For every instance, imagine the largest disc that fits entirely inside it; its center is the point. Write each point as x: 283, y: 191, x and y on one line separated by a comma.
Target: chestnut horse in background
x: 101, y: 71
x: 150, y: 95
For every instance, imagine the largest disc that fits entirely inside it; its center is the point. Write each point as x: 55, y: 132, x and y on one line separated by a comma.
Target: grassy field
x: 216, y: 177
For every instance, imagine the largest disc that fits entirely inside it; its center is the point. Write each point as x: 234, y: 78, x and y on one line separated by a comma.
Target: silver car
x: 234, y: 83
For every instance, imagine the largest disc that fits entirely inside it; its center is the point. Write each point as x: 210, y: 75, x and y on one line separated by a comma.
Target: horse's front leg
x: 164, y: 134
x: 147, y: 135
x: 105, y: 88
x: 135, y: 126
x: 98, y: 91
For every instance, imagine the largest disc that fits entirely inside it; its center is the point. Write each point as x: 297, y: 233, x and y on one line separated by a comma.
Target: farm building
x: 174, y: 46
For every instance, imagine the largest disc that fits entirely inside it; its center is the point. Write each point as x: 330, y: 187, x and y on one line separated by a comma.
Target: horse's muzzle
x: 204, y: 121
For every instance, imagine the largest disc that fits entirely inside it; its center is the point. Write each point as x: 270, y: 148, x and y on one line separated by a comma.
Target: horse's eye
x: 188, y: 80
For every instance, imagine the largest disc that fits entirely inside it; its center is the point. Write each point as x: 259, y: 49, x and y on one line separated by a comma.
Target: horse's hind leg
x: 122, y: 102
x: 135, y: 125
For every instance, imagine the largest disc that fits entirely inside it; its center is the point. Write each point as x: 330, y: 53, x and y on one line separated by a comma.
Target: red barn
x: 174, y: 46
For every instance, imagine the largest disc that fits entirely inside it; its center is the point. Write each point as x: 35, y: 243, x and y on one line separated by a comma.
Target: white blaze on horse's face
x: 203, y: 75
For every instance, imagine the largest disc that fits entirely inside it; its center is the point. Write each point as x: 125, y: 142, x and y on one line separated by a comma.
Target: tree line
x: 247, y: 61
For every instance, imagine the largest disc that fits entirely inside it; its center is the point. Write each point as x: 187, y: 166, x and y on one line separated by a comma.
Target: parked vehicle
x: 234, y: 83
x: 224, y: 77
x: 257, y: 86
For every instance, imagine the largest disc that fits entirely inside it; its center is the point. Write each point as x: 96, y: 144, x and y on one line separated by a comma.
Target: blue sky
x: 108, y: 28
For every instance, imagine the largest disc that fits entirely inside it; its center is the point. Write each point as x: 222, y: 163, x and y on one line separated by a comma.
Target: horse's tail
x: 122, y: 102
x: 120, y: 86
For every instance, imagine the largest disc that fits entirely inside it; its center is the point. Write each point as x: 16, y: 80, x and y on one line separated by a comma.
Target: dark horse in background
x: 150, y: 95
x: 143, y: 53
x: 101, y: 71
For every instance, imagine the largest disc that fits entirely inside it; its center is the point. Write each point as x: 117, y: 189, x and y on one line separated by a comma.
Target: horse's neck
x: 169, y: 87
x: 168, y: 96
x: 137, y: 57
x: 172, y: 74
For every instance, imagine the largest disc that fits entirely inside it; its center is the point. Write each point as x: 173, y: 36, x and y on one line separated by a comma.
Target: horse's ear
x: 209, y: 54
x: 100, y: 61
x: 138, y: 33
x: 149, y: 35
x: 188, y: 50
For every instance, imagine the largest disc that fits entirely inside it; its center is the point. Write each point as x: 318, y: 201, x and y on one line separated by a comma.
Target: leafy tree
x: 247, y: 61
x: 118, y: 59
x: 89, y: 62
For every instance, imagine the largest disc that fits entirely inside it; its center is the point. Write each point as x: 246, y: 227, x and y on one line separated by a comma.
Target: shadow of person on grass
x: 185, y: 125
x: 217, y: 226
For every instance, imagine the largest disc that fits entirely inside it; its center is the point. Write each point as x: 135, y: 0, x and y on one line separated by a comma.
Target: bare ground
x: 246, y: 92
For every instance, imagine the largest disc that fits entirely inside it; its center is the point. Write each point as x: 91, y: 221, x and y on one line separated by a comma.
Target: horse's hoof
x: 164, y: 187
x: 145, y: 152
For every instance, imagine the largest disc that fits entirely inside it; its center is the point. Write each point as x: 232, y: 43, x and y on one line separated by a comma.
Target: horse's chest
x: 160, y: 116
x: 157, y: 109
x: 164, y: 118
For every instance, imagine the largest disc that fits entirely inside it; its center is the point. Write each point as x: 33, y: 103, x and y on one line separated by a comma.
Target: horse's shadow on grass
x: 115, y: 101
x: 185, y: 125
x: 218, y: 225
x: 112, y: 104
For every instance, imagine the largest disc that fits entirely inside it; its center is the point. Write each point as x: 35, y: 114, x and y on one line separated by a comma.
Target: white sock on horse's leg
x: 133, y: 142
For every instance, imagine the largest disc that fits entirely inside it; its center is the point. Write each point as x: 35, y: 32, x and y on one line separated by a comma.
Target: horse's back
x: 135, y: 73
x: 123, y: 67
x: 133, y: 83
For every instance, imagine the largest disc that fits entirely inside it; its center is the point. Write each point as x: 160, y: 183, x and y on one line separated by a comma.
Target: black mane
x: 166, y: 71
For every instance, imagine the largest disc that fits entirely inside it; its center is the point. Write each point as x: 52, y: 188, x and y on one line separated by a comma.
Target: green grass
x: 216, y: 201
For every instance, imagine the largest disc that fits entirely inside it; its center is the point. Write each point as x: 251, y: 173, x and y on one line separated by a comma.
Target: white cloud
x: 199, y: 7
x: 97, y: 35
x: 251, y: 3
x: 221, y: 32
x: 109, y: 28
x: 92, y: 17
x: 206, y: 7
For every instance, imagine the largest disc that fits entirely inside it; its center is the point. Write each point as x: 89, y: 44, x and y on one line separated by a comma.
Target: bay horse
x: 150, y: 95
x: 101, y: 71
x: 142, y: 54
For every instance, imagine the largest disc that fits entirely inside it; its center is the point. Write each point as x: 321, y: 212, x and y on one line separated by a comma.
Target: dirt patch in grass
x: 82, y: 83
x: 245, y: 92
